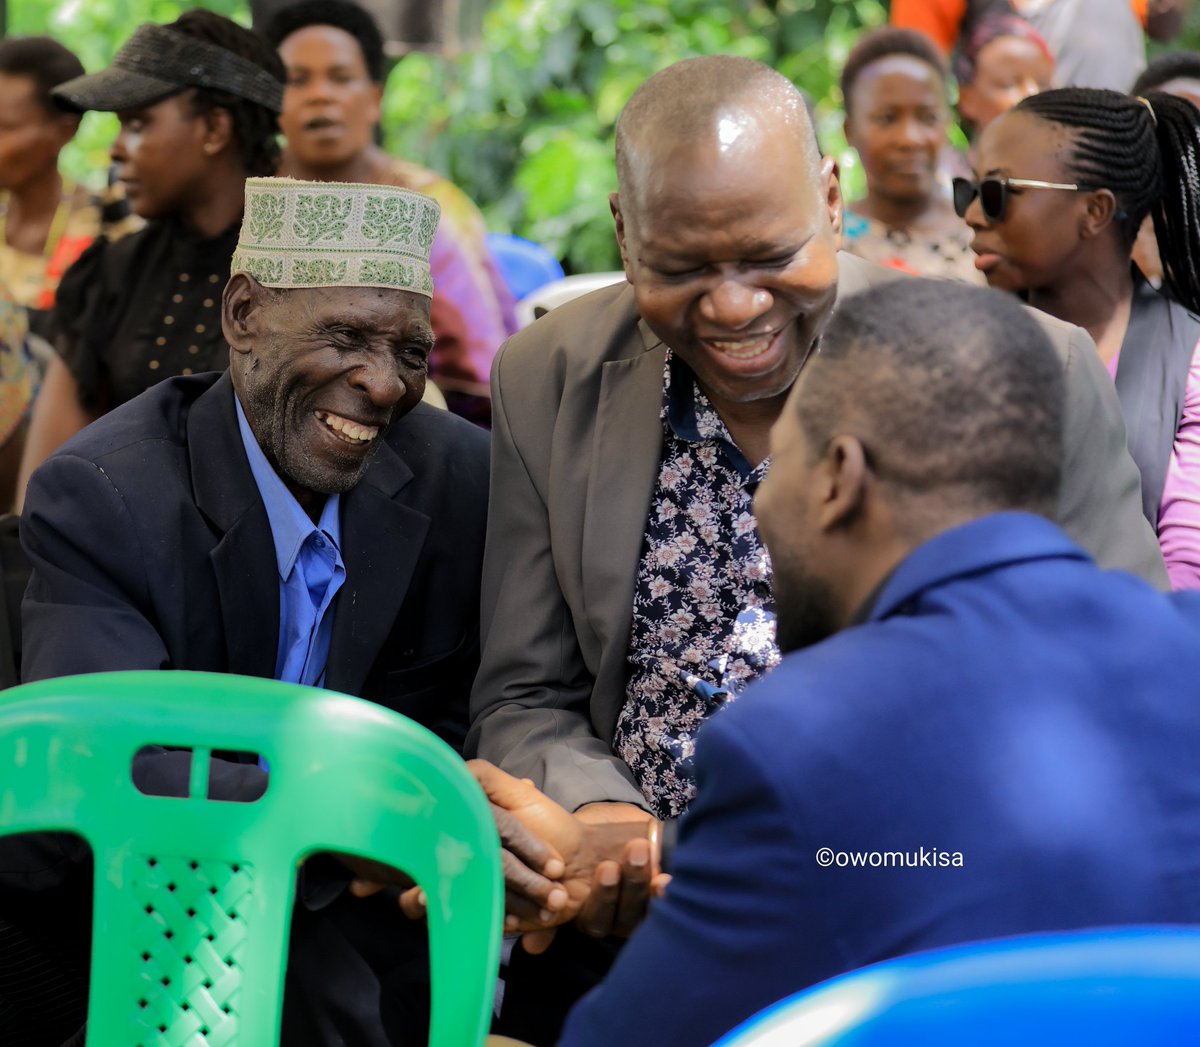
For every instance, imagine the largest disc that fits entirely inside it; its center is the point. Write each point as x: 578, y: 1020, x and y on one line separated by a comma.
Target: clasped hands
x: 596, y: 867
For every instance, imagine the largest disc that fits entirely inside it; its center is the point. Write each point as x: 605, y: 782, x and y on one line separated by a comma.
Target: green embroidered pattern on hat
x: 388, y: 220
x: 323, y: 217
x: 267, y: 271
x: 318, y: 272
x: 331, y: 234
x: 264, y: 216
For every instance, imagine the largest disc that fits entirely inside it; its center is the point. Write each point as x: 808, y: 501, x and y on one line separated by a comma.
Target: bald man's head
x: 716, y: 100
x: 729, y: 224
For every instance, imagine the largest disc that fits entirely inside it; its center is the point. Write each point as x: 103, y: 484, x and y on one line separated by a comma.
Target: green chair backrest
x: 193, y: 896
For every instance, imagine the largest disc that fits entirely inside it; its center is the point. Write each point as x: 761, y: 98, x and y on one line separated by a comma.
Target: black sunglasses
x: 993, y: 193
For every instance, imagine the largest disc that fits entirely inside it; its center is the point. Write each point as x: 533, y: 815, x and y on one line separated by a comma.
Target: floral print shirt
x: 703, y: 614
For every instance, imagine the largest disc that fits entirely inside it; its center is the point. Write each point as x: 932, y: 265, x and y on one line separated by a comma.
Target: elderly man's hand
x: 532, y: 897
x: 608, y: 876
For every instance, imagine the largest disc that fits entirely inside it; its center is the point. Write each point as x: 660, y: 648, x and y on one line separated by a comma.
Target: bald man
x: 627, y: 594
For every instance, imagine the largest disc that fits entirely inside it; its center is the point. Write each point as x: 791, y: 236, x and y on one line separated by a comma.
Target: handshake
x: 599, y: 867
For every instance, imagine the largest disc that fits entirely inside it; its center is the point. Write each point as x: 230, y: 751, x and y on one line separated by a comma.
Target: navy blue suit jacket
x: 1005, y: 699
x: 151, y: 549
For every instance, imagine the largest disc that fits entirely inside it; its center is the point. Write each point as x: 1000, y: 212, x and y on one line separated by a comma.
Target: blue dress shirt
x: 310, y: 569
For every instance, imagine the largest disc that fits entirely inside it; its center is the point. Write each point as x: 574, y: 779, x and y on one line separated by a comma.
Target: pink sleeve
x: 473, y: 310
x: 1179, y: 514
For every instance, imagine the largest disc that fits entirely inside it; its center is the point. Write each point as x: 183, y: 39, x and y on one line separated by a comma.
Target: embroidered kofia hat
x: 157, y: 62
x: 336, y: 234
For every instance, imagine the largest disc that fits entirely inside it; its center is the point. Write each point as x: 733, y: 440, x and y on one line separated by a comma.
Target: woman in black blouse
x: 197, y: 102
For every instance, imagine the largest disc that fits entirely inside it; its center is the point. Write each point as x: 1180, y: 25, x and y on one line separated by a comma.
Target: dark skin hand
x: 531, y: 869
x: 608, y: 875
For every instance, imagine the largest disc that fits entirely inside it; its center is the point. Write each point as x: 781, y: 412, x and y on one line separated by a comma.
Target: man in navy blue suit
x: 976, y: 733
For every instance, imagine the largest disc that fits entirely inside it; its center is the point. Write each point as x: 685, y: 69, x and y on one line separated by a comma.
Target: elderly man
x: 627, y: 594
x: 302, y: 516
x: 1000, y: 738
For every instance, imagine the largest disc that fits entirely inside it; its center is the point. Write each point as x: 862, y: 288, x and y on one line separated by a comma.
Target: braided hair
x: 255, y: 127
x: 1147, y: 152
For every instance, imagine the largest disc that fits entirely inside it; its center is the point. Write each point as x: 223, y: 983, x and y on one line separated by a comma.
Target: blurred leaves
x: 525, y: 123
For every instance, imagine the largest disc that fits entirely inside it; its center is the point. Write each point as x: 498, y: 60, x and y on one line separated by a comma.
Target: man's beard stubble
x: 804, y: 608
x: 279, y: 429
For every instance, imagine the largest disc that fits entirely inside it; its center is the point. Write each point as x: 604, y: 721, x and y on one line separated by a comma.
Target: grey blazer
x: 575, y: 448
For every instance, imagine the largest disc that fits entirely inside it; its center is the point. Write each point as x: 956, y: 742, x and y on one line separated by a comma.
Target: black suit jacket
x: 151, y: 549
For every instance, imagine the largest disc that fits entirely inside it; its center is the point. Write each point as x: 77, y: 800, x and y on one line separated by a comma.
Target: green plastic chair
x: 193, y: 897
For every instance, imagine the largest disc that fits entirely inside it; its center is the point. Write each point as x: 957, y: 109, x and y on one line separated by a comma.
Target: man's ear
x: 1099, y: 211
x: 240, y: 306
x: 844, y: 476
x: 614, y: 204
x: 831, y: 192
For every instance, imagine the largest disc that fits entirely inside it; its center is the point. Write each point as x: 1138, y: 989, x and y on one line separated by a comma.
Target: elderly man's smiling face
x: 321, y: 373
x: 731, y: 246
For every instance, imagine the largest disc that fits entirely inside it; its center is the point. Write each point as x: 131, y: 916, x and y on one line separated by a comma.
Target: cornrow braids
x: 255, y: 127
x: 1147, y: 152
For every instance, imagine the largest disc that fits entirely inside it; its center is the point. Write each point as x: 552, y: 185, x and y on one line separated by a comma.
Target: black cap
x: 157, y: 62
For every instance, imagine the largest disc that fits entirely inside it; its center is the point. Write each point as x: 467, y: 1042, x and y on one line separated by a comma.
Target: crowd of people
x: 835, y: 527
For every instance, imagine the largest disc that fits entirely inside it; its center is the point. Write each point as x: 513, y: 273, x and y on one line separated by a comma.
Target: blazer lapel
x: 243, y: 559
x: 381, y: 543
x: 624, y: 467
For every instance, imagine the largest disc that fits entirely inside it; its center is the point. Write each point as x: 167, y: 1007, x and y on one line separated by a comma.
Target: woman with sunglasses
x: 894, y: 91
x: 1062, y: 184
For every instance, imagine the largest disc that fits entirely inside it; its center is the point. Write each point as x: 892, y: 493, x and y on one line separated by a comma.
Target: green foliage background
x: 524, y: 123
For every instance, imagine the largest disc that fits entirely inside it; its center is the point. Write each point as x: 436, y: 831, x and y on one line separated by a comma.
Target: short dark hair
x: 883, y: 43
x: 955, y: 392
x: 1170, y: 66
x: 341, y: 14
x: 44, y: 61
x: 255, y: 127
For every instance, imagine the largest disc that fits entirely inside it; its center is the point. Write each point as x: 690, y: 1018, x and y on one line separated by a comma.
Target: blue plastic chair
x: 194, y: 895
x: 1127, y: 987
x: 525, y: 266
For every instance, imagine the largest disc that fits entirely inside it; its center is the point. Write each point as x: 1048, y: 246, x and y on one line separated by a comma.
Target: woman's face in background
x: 897, y: 121
x: 1007, y: 69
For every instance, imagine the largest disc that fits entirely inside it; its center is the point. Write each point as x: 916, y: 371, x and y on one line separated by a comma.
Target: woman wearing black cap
x: 198, y: 102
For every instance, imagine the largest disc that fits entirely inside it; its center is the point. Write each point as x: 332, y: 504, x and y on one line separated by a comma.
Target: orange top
x: 939, y: 19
